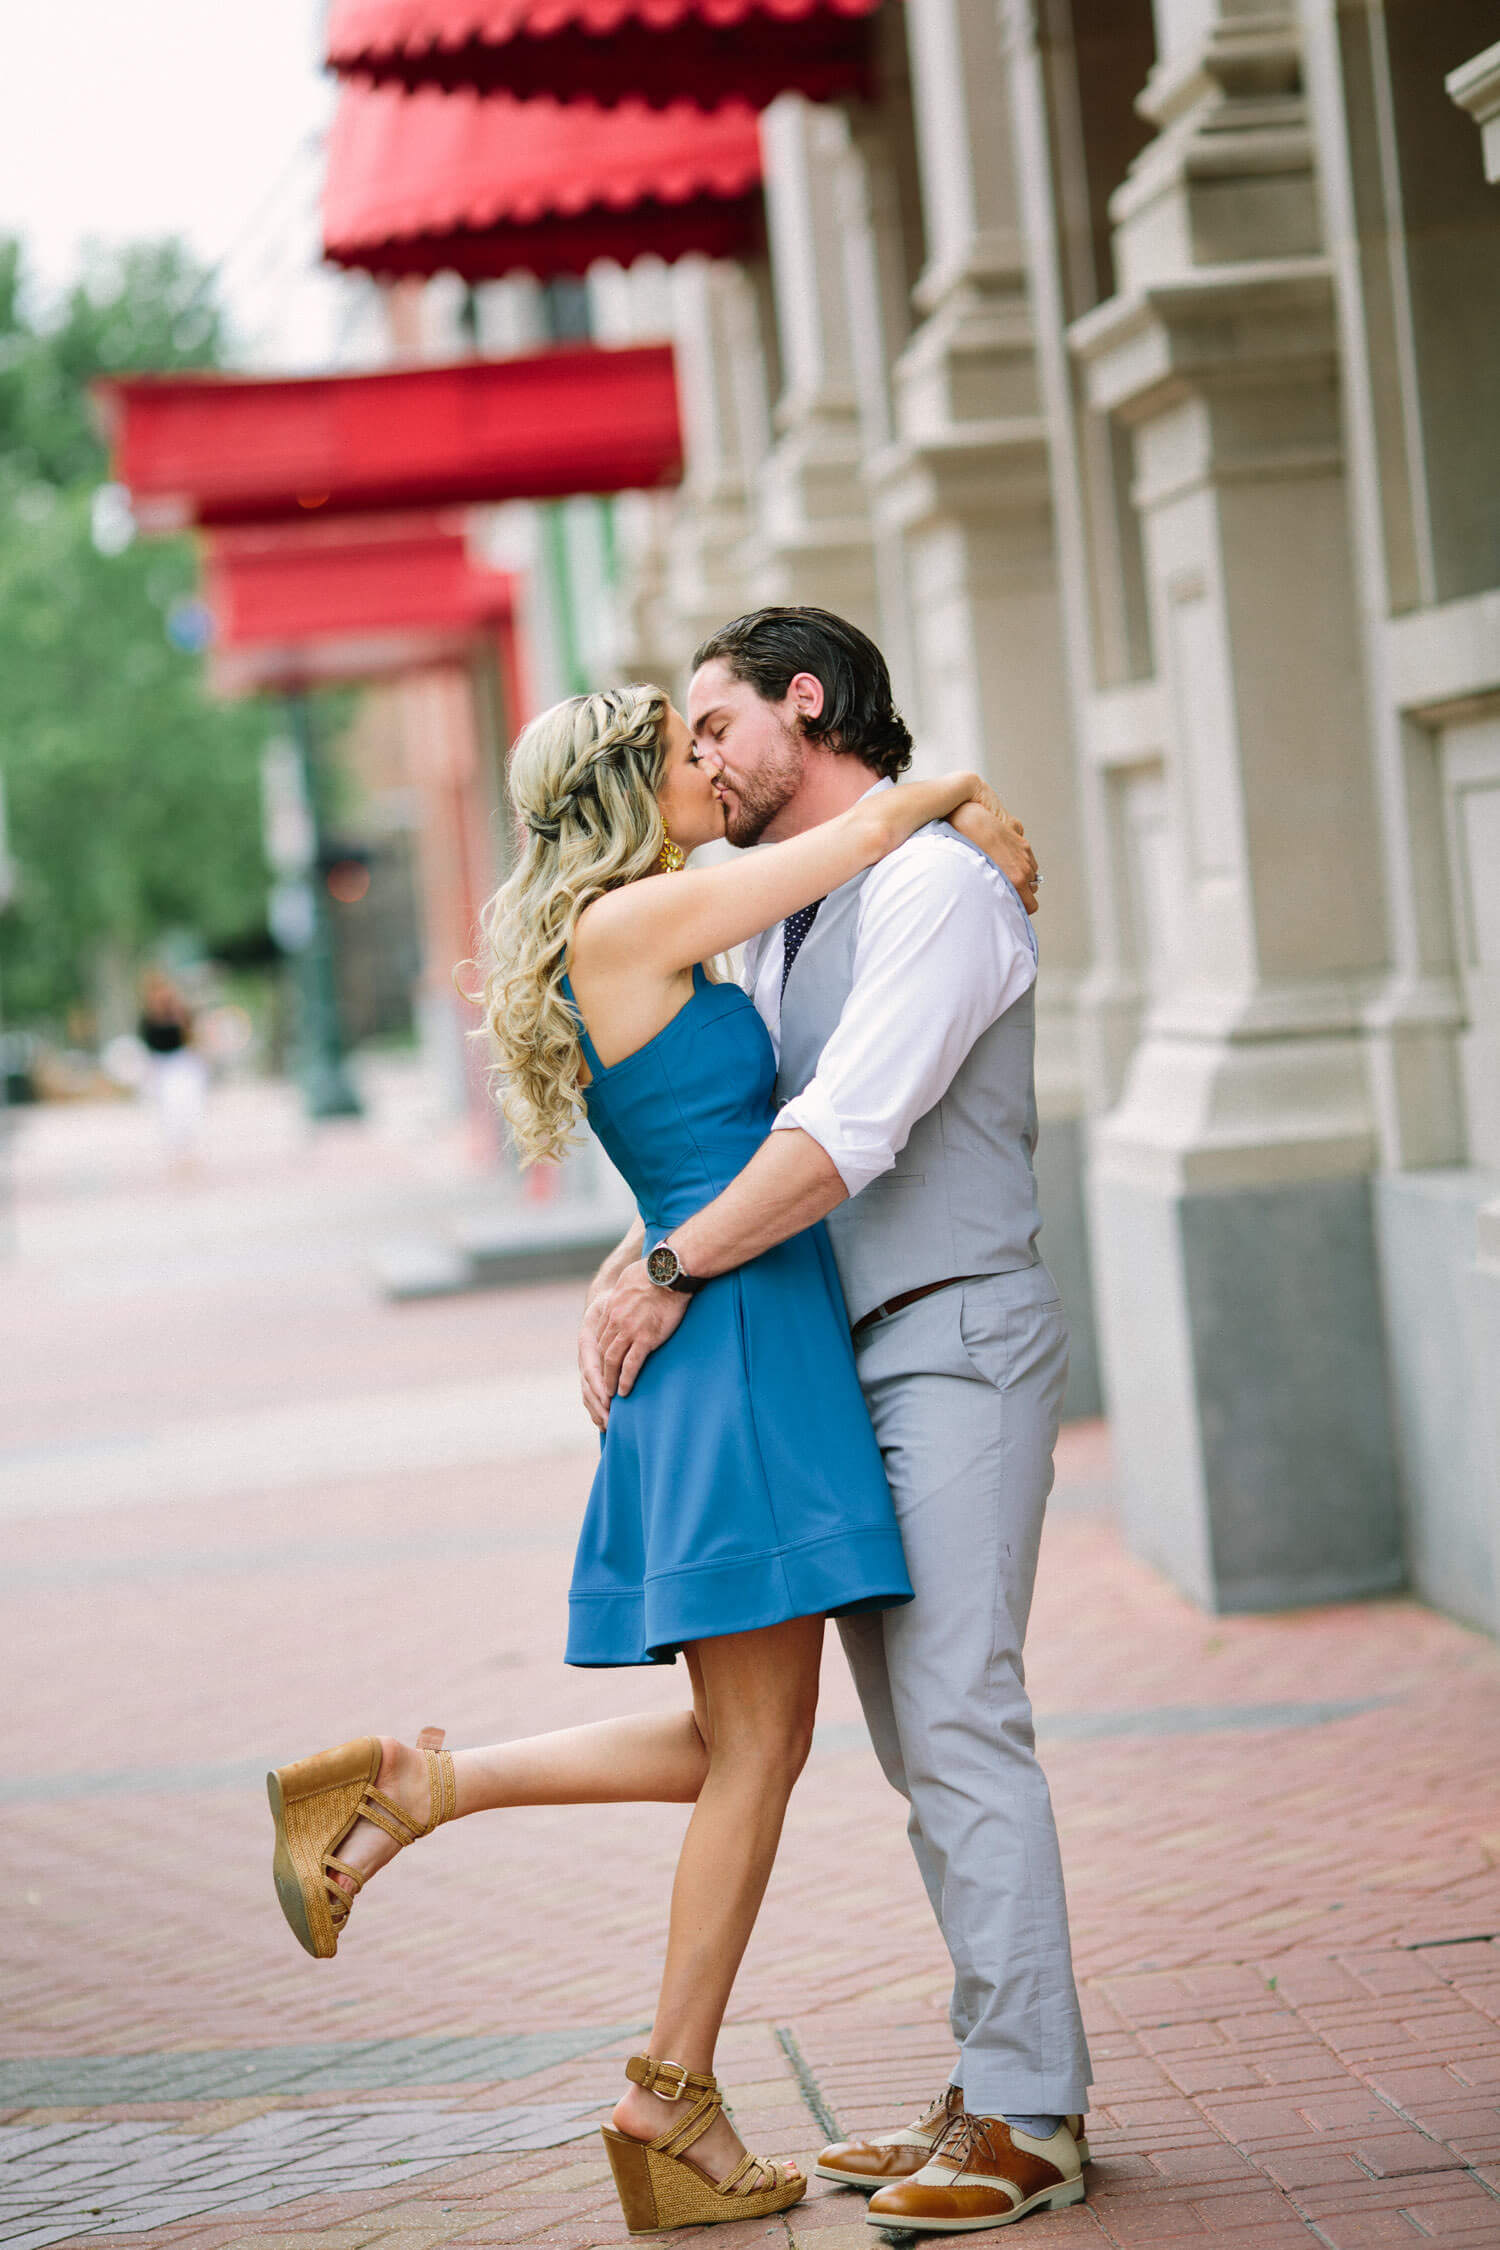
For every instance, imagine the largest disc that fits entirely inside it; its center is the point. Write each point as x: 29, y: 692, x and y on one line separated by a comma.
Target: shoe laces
x: 940, y: 2107
x: 961, y: 2142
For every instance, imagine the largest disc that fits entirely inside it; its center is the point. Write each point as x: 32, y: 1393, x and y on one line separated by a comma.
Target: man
x: 901, y: 1009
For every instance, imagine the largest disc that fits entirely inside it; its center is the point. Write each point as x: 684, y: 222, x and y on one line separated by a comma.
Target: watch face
x: 662, y: 1266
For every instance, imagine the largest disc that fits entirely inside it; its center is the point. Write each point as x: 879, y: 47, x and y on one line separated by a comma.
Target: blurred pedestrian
x: 176, y: 1074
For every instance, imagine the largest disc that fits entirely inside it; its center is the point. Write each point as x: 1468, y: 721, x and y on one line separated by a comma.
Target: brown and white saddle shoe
x: 872, y: 2160
x: 983, y: 2173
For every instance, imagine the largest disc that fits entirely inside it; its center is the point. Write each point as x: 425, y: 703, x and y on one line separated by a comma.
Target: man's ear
x: 805, y: 694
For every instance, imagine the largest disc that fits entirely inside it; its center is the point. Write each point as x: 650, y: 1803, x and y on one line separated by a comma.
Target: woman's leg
x: 647, y: 1758
x: 756, y: 1697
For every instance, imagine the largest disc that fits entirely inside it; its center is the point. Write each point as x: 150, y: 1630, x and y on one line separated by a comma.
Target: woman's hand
x: 591, y: 1376
x: 985, y: 822
x: 638, y: 1318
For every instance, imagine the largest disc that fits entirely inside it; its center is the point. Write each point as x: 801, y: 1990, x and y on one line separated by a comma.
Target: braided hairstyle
x: 584, y: 782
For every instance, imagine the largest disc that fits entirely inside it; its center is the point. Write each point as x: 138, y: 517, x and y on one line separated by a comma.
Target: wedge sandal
x: 658, y: 2184
x: 315, y: 1803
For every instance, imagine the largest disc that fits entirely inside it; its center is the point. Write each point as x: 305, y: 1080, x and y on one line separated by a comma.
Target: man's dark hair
x: 770, y: 647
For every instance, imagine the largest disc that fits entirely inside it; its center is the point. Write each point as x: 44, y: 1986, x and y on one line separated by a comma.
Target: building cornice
x: 1475, y: 87
x: 1234, y: 324
x: 979, y: 470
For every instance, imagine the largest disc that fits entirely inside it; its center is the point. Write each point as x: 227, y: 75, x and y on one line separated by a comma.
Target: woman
x: 175, y: 1071
x: 740, y: 1497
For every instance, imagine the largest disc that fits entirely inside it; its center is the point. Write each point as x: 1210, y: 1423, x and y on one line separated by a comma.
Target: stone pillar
x: 1484, y: 1290
x: 685, y: 557
x: 880, y: 221
x: 1476, y: 88
x: 963, y: 483
x: 721, y: 363
x: 1411, y: 234
x: 1072, y: 82
x: 1233, y: 1234
x: 814, y: 537
x: 607, y: 558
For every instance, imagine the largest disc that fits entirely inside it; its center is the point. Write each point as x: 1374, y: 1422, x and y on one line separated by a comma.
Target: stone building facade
x: 1131, y: 369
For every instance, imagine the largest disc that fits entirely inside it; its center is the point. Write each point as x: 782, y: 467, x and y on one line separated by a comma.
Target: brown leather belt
x: 910, y: 1297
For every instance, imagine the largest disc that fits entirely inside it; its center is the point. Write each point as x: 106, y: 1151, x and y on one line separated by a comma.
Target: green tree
x: 133, y: 800
x: 147, y: 305
x: 132, y: 796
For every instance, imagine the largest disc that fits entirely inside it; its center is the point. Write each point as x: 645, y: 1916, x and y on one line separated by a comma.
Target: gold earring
x: 673, y: 858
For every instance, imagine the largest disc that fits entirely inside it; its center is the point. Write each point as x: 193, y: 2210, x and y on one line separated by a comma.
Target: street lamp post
x: 7, y: 893
x: 303, y: 926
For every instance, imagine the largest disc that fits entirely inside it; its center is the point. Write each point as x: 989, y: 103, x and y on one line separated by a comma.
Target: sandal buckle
x: 675, y: 2093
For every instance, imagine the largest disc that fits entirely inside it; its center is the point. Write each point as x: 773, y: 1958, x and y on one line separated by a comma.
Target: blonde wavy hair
x: 584, y: 781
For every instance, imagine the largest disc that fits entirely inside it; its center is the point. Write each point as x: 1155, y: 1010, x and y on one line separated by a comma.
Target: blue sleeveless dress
x: 739, y: 1484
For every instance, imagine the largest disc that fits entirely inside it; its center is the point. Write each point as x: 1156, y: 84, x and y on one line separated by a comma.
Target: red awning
x: 282, y: 583
x: 216, y: 449
x: 657, y: 50
x: 295, y: 605
x: 485, y: 185
x: 342, y: 660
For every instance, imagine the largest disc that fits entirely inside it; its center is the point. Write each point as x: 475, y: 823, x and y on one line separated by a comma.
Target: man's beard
x: 760, y: 796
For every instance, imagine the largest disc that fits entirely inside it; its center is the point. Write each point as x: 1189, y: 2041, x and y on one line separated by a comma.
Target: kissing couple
x: 827, y: 1365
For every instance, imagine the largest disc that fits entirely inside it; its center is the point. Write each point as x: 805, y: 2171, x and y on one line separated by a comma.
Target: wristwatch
x: 667, y: 1270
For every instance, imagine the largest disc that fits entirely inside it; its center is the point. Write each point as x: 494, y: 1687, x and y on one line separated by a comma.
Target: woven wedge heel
x: 658, y: 2184
x: 315, y: 1803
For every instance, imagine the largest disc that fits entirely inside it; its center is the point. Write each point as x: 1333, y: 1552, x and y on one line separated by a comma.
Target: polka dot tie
x: 794, y: 930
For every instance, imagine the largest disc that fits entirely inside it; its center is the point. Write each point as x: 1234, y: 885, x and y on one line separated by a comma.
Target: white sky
x: 127, y: 118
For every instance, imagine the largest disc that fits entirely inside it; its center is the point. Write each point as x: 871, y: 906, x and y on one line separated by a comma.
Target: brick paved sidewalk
x: 1280, y: 1833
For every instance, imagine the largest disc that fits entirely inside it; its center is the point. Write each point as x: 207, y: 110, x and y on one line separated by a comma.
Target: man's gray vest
x: 961, y: 1196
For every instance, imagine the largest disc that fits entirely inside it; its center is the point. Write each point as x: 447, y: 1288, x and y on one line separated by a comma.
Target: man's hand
x: 985, y: 822
x: 638, y: 1318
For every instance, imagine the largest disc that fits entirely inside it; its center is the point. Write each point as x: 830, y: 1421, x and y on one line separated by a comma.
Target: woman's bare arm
x: 668, y: 923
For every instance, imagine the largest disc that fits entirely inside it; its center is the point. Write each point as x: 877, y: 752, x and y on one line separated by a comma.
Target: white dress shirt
x: 943, y: 947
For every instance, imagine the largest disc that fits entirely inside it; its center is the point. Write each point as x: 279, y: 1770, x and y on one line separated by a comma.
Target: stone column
x: 613, y: 551
x: 721, y: 364
x: 814, y: 536
x: 1476, y: 88
x: 685, y: 557
x: 880, y: 221
x: 1233, y: 1234
x: 963, y: 483
x: 1485, y: 1299
x: 1072, y: 87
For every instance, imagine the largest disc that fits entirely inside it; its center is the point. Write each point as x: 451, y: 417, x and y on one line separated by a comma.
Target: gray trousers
x: 965, y: 1391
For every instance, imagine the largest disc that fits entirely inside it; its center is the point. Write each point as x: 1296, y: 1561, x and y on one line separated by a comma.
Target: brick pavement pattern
x: 246, y: 1508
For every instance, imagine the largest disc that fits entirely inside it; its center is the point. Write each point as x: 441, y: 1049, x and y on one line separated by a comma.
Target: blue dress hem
x: 866, y: 1570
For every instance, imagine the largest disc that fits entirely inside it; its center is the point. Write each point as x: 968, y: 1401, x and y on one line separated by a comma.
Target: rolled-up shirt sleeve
x: 943, y: 948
